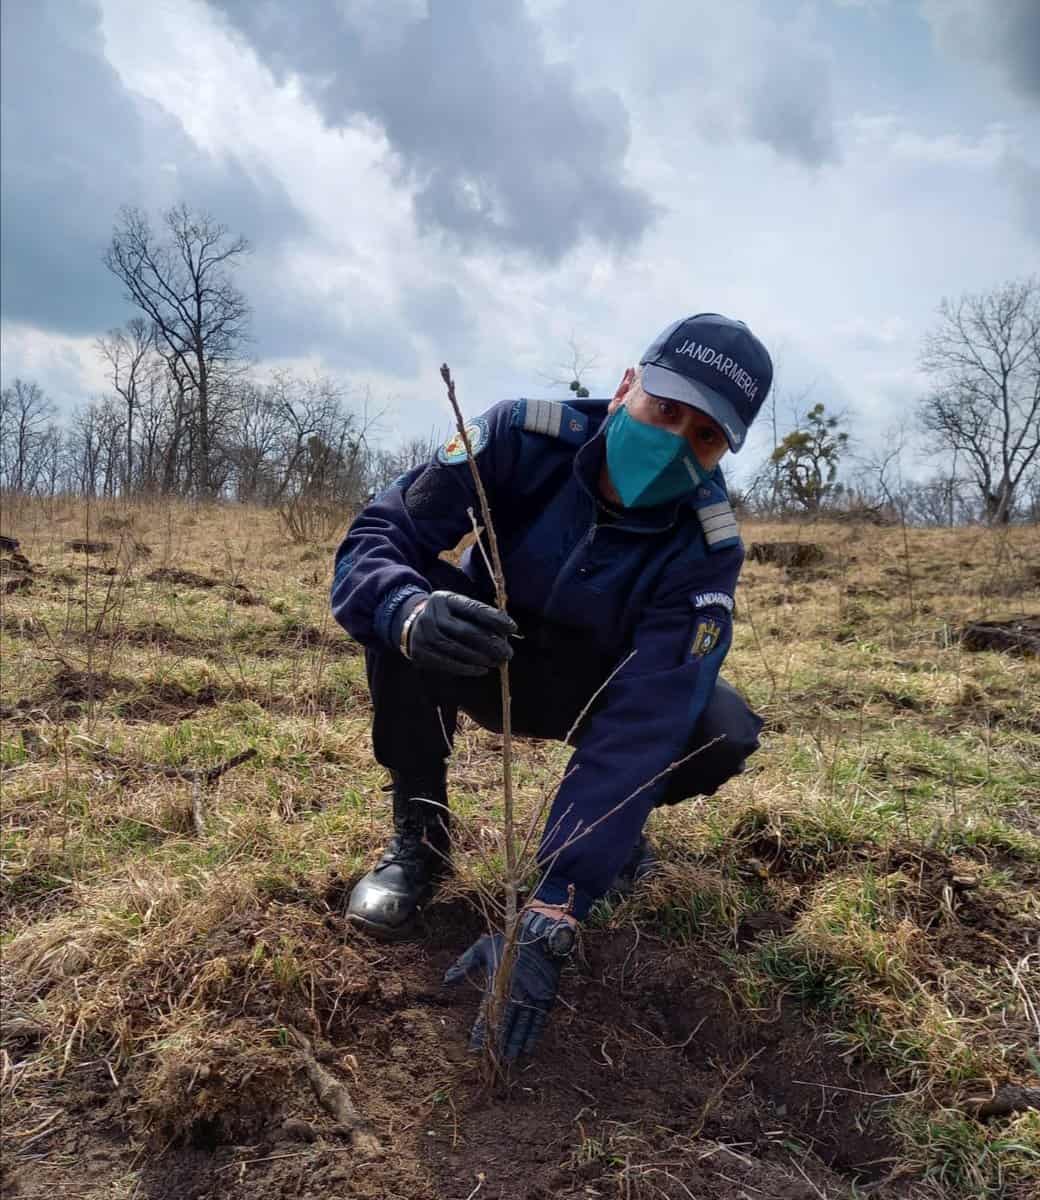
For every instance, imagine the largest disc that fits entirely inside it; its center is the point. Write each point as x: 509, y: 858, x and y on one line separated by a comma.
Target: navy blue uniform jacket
x: 657, y: 581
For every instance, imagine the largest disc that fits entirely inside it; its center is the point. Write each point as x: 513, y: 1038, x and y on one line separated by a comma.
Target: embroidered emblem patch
x: 707, y: 599
x: 705, y: 637
x: 454, y: 449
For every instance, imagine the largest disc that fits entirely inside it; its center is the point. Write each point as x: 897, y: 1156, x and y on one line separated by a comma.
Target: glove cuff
x: 555, y: 892
x: 557, y: 933
x: 397, y: 610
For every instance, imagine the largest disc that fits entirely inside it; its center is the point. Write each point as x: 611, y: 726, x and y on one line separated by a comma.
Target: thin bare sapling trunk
x: 521, y: 860
x: 499, y: 997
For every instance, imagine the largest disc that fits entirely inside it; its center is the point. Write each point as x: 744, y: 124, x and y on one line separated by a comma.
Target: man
x: 618, y: 543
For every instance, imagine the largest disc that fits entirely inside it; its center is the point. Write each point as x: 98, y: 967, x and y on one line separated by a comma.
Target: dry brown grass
x: 895, y: 764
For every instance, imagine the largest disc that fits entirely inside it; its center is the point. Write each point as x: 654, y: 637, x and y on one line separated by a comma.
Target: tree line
x: 186, y: 417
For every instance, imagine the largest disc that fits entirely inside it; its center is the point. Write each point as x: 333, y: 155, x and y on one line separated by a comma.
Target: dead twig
x: 204, y: 774
x: 335, y: 1099
x: 1005, y: 1101
x: 199, y: 777
x: 198, y: 809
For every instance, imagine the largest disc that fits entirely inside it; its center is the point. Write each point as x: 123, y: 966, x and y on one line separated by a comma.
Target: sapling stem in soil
x: 499, y: 996
x: 519, y: 861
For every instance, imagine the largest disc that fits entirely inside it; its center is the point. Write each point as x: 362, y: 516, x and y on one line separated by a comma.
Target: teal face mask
x: 647, y: 464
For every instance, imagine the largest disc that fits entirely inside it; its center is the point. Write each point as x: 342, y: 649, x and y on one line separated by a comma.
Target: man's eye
x: 665, y: 409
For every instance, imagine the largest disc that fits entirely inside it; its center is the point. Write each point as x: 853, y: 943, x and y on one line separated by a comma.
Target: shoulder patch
x: 552, y: 419
x: 706, y: 636
x: 454, y: 449
x: 719, y: 525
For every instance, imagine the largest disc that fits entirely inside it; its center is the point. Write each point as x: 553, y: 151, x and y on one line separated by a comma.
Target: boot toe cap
x: 383, y: 910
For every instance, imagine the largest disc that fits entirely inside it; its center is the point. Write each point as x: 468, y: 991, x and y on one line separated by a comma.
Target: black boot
x: 385, y: 901
x: 643, y: 863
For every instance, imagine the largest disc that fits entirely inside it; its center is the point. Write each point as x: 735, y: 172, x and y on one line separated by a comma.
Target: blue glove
x: 544, y: 945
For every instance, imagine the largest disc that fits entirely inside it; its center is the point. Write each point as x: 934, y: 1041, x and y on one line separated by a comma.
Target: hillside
x: 839, y: 963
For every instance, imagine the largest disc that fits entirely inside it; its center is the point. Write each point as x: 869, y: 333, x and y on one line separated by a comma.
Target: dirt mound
x: 962, y: 918
x: 787, y: 554
x: 238, y: 592
x: 333, y: 641
x: 16, y: 573
x: 17, y: 583
x: 182, y: 578
x: 1021, y: 636
x: 651, y: 1082
x: 70, y: 690
x: 764, y: 848
x: 164, y: 637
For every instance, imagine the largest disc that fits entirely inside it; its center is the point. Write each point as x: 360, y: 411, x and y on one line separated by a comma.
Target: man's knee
x: 723, y: 739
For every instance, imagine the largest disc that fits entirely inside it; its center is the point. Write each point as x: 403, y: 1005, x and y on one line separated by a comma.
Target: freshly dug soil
x: 650, y: 1082
x: 787, y: 554
x: 1021, y: 636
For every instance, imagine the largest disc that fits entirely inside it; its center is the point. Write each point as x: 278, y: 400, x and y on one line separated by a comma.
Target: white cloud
x: 890, y: 135
x: 838, y: 266
x: 71, y: 366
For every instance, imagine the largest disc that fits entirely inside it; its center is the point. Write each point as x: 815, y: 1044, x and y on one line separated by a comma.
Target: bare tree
x: 570, y: 374
x: 96, y: 447
x: 985, y: 404
x: 25, y: 430
x: 127, y: 352
x: 385, y: 466
x: 181, y: 281
x: 254, y: 445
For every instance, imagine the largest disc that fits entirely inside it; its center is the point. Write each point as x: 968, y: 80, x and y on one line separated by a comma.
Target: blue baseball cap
x: 714, y: 364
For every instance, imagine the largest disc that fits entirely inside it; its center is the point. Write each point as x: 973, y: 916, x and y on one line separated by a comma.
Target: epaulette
x: 716, y: 518
x: 551, y: 418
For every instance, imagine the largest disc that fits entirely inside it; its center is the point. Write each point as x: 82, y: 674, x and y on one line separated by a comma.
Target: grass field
x: 838, y: 965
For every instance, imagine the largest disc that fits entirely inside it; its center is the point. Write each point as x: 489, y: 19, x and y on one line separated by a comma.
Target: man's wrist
x: 557, y: 911
x: 406, y: 625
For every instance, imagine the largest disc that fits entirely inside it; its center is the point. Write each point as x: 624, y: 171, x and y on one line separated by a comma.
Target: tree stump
x: 9, y: 544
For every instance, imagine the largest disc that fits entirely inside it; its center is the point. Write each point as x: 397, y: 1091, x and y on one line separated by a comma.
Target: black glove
x: 458, y: 635
x: 544, y: 945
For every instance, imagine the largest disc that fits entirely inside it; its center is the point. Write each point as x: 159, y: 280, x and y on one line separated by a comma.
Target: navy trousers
x: 552, y: 675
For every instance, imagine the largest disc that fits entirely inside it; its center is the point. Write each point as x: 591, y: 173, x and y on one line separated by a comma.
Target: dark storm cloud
x: 1003, y: 33
x: 439, y: 313
x: 76, y: 145
x: 789, y: 108
x: 502, y: 146
x: 294, y: 324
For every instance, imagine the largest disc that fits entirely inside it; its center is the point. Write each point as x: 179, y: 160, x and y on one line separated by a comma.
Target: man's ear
x: 623, y: 389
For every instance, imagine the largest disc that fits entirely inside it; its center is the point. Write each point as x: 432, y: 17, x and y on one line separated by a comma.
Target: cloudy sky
x: 483, y: 181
